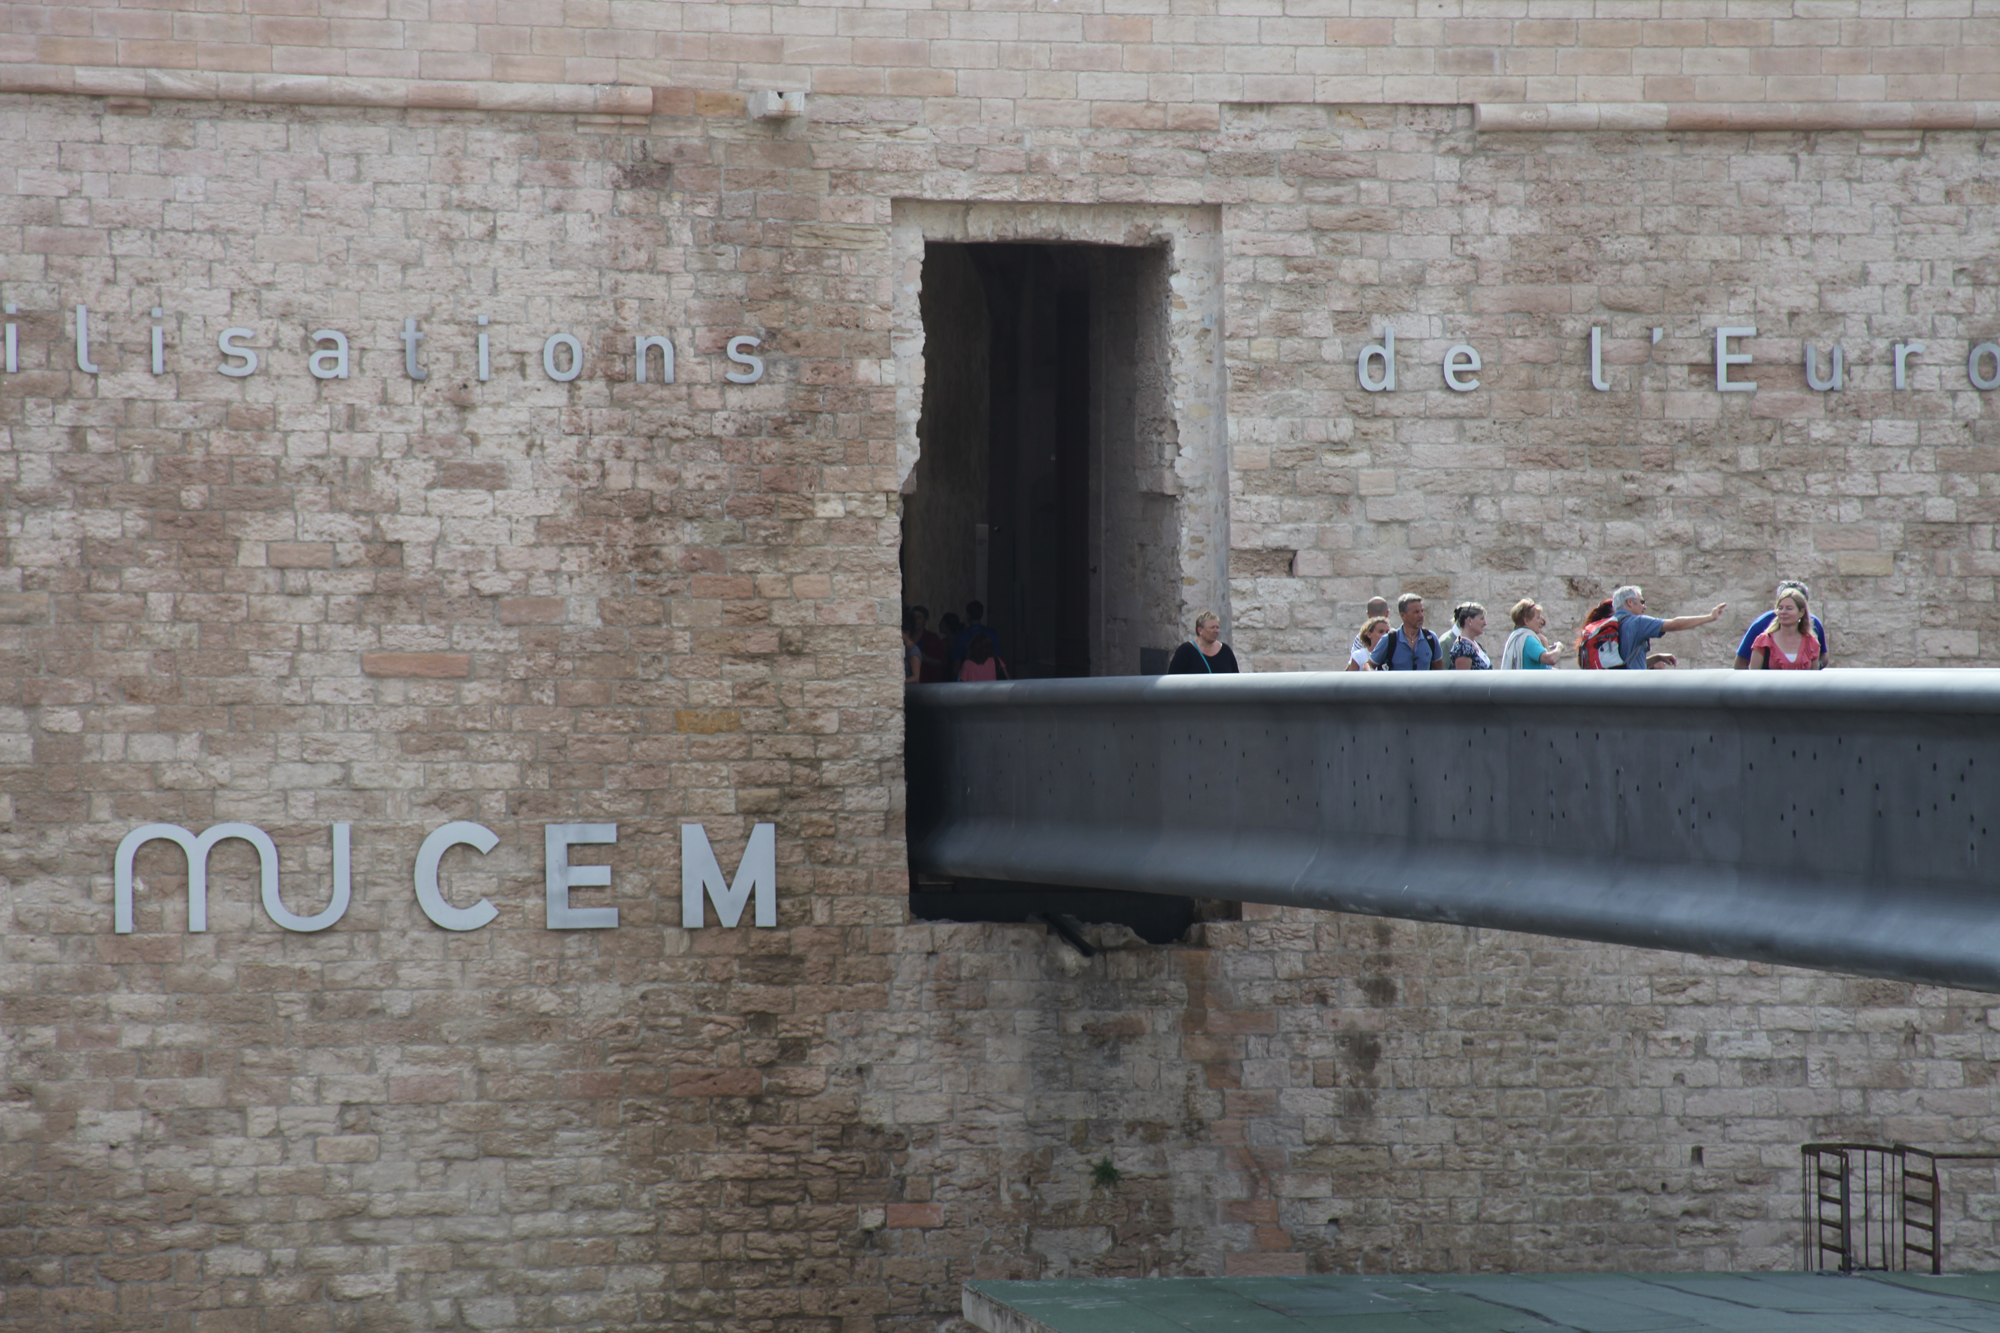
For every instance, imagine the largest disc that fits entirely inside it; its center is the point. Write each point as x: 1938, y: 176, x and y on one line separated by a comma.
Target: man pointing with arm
x: 1636, y: 629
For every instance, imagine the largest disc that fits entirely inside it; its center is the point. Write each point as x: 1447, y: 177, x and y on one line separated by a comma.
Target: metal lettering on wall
x: 1375, y: 363
x: 563, y: 357
x: 562, y: 353
x: 702, y: 879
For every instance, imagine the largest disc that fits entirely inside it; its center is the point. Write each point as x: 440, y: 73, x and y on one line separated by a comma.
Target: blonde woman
x: 1205, y: 653
x: 1364, y: 644
x: 1527, y: 648
x: 1789, y: 645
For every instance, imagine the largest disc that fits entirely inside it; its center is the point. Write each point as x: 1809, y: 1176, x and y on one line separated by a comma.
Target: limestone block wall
x: 392, y: 603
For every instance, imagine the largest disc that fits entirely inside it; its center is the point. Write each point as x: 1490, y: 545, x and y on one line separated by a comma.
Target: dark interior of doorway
x: 1043, y: 488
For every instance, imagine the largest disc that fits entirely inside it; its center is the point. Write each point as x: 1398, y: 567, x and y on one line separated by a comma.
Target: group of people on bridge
x: 1617, y: 634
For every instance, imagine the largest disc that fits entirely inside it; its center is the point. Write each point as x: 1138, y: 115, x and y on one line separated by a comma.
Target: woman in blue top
x: 1526, y: 649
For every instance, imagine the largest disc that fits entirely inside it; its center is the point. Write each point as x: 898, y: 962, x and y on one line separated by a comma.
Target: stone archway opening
x: 1059, y: 401
x: 1059, y: 389
x: 1043, y: 489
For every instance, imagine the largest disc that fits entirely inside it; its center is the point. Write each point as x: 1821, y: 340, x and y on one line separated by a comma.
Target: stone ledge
x: 617, y: 100
x: 621, y: 103
x: 1531, y: 117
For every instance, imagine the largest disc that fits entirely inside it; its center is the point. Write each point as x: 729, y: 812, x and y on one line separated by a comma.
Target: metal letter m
x: 757, y: 871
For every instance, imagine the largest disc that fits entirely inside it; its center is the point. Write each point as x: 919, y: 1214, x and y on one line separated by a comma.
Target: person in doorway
x: 1526, y: 648
x: 1748, y: 642
x: 913, y: 654
x: 1789, y: 644
x: 1637, y: 630
x: 975, y: 623
x: 1411, y: 648
x: 981, y: 662
x: 936, y: 652
x: 1364, y: 643
x: 948, y: 629
x: 1466, y: 654
x: 1205, y: 653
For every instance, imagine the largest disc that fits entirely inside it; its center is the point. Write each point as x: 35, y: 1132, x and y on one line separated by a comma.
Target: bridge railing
x: 1839, y: 820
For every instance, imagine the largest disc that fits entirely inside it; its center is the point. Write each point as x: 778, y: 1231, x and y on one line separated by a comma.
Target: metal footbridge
x: 1838, y: 820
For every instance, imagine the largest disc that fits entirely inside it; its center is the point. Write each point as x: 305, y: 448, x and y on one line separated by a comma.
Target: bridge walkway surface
x: 1838, y: 820
x: 1518, y: 1303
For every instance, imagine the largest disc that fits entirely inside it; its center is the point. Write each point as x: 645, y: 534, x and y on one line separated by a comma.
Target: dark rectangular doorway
x: 1044, y: 412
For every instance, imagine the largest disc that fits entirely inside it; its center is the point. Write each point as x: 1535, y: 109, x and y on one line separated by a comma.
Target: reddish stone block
x: 715, y: 1083
x: 424, y: 1088
x: 532, y: 610
x: 902, y: 1215
x: 1264, y: 1265
x: 417, y: 666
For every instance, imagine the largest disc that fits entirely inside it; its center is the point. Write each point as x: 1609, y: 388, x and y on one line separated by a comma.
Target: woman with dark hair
x: 1466, y: 654
x: 980, y: 662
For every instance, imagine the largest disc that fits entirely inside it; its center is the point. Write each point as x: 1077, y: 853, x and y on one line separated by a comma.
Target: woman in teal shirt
x: 1526, y: 650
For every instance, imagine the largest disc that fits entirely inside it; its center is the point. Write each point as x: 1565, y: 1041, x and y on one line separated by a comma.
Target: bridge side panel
x: 1836, y: 824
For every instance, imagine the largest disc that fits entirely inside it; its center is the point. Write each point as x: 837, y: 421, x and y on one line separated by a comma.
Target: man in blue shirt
x: 1636, y: 629
x: 1764, y: 622
x: 1411, y: 648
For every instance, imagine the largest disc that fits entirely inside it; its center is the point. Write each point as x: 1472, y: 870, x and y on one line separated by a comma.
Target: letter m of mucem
x: 197, y: 850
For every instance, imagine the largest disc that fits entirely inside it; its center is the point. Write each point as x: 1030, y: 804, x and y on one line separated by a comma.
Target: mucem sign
x: 756, y: 876
x: 314, y: 582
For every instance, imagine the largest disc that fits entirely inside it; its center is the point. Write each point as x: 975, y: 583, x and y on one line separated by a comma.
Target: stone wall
x: 294, y: 601
x: 395, y: 603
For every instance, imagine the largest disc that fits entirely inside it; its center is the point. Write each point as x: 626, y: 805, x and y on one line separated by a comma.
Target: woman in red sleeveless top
x: 1789, y: 645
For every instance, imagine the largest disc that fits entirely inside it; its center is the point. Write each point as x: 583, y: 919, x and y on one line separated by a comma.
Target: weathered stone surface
x: 682, y: 603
